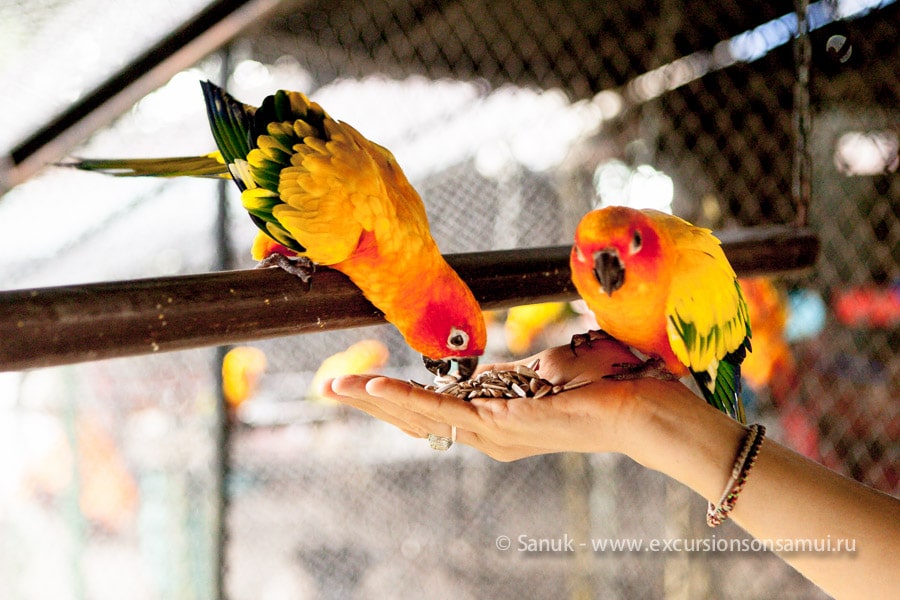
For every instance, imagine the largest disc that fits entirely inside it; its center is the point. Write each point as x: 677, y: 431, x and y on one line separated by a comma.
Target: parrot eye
x: 458, y: 339
x: 635, y: 242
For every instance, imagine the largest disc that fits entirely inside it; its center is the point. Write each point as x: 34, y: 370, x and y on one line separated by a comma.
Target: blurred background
x: 128, y: 478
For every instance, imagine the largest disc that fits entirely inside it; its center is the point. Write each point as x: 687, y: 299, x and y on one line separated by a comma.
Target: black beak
x: 465, y: 366
x: 609, y: 270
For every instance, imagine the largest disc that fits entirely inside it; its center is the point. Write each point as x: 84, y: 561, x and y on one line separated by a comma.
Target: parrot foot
x: 300, y: 266
x: 586, y: 339
x: 652, y: 367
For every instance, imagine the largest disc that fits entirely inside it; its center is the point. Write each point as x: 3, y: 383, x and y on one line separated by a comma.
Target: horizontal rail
x: 76, y: 323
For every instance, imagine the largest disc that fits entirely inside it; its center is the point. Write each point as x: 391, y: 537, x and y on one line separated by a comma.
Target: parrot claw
x: 300, y: 266
x: 586, y: 339
x: 652, y: 367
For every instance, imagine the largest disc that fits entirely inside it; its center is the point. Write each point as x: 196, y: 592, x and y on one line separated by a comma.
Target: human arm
x: 665, y: 427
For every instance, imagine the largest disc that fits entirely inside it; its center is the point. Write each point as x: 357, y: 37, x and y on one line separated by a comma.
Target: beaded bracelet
x: 716, y: 515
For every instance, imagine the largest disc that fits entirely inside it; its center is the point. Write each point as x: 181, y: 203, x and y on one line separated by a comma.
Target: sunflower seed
x: 522, y: 382
x: 574, y: 385
x: 447, y: 388
x: 526, y: 371
x: 543, y: 391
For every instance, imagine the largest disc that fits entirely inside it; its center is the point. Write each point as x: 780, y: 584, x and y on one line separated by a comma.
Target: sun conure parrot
x: 664, y: 287
x: 319, y: 191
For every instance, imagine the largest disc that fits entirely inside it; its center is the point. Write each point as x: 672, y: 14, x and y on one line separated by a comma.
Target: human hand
x: 602, y: 416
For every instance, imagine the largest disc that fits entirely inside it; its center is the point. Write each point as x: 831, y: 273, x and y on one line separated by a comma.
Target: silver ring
x: 439, y: 443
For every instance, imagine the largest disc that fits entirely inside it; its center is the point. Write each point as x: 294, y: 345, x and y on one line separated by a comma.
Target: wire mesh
x: 512, y: 119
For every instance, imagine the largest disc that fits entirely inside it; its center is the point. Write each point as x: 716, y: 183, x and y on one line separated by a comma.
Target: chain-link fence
x: 512, y: 119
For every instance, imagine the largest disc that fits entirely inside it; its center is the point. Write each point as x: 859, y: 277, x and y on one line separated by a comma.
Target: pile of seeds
x: 523, y: 382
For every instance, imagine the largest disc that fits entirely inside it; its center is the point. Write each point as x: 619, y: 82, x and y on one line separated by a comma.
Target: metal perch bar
x: 76, y: 323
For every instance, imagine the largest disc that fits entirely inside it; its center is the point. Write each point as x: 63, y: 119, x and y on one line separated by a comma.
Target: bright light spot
x: 755, y: 43
x: 610, y: 103
x: 9, y: 389
x: 670, y: 76
x: 651, y: 189
x: 858, y: 8
x: 867, y: 153
x: 617, y: 184
x: 251, y: 74
x: 167, y: 105
x: 432, y: 125
x: 493, y: 160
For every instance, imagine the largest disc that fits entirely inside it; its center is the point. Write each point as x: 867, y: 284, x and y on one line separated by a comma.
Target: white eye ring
x: 458, y: 339
x: 579, y: 255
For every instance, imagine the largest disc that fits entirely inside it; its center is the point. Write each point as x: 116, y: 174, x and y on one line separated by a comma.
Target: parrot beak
x: 609, y: 270
x: 466, y: 366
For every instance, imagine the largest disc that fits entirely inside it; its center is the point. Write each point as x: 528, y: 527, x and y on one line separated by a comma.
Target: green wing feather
x: 709, y: 323
x: 725, y: 392
x: 258, y: 143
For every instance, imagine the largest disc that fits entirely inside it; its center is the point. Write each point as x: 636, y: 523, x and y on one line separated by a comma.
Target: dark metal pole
x: 223, y: 425
x: 76, y: 323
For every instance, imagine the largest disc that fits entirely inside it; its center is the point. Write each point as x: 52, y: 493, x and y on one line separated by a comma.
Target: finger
x: 439, y: 408
x: 350, y: 390
x: 354, y: 387
x: 347, y: 385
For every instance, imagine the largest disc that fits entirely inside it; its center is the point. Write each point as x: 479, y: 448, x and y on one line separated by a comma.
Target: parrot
x: 242, y: 368
x: 664, y: 287
x: 772, y: 364
x: 322, y: 194
x: 524, y: 324
x: 365, y: 356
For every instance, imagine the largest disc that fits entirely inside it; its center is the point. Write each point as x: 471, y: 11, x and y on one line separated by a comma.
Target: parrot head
x: 615, y: 245
x: 450, y: 328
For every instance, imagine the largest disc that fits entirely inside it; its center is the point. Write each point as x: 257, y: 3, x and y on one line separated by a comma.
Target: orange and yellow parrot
x: 242, y: 369
x: 665, y: 288
x: 525, y: 323
x: 772, y: 363
x: 321, y: 193
x: 365, y: 356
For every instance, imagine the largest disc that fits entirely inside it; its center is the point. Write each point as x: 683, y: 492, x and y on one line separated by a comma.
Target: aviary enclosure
x: 125, y: 473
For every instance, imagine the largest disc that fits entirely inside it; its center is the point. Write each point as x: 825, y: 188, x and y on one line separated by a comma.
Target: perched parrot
x: 321, y: 193
x: 665, y: 288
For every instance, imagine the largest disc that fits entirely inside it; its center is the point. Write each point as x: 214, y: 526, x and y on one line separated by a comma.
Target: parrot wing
x: 708, y: 321
x: 313, y: 184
